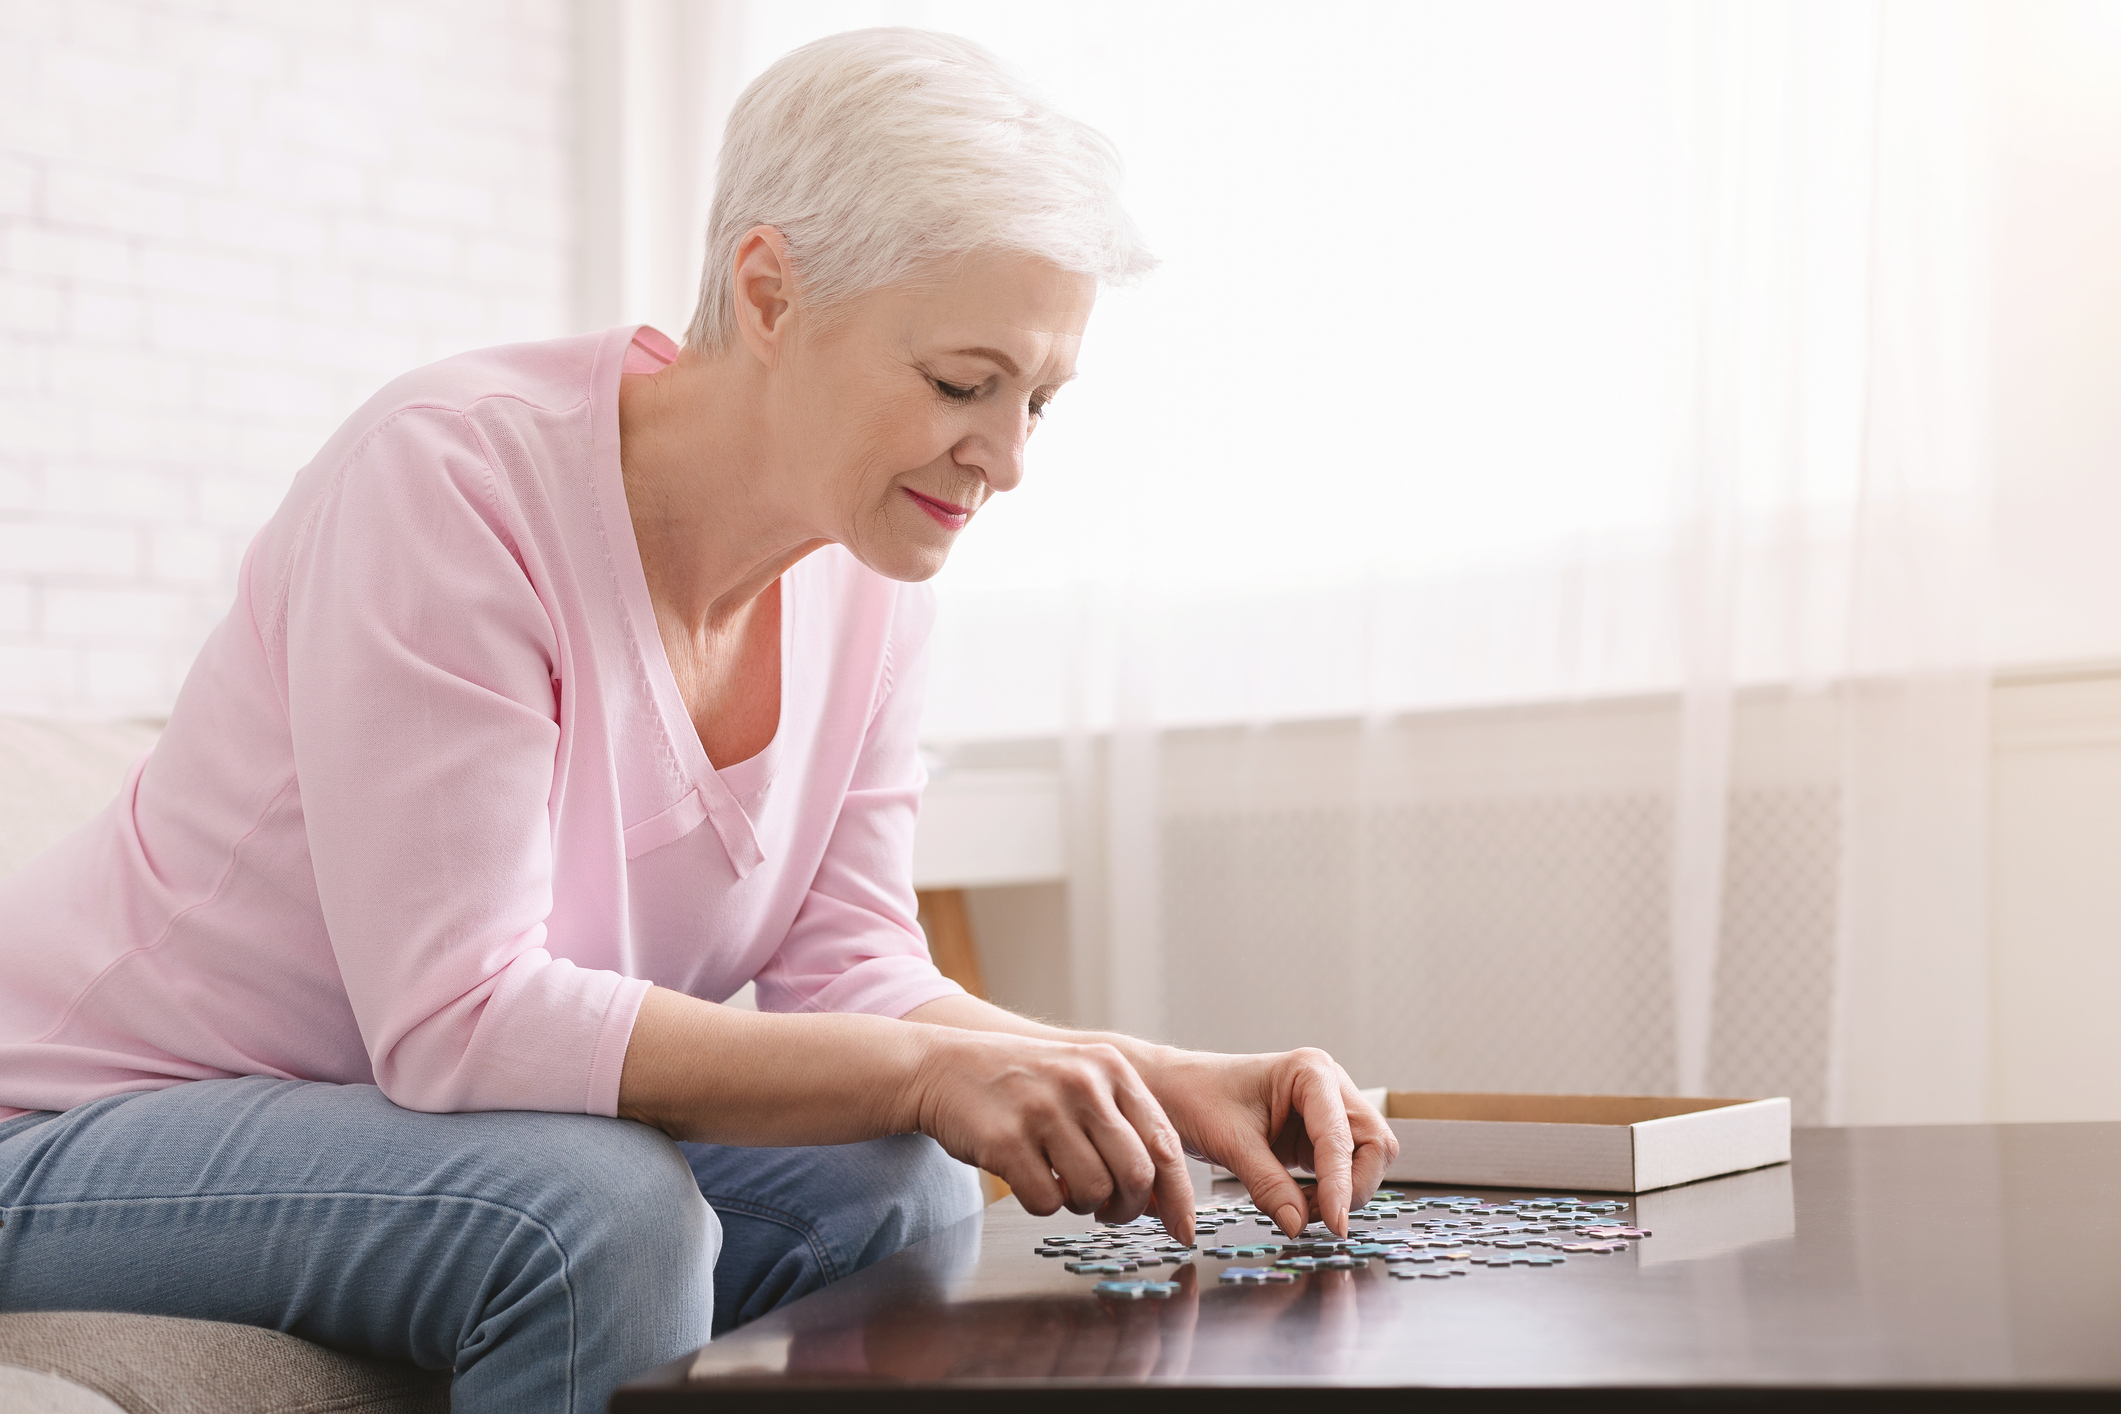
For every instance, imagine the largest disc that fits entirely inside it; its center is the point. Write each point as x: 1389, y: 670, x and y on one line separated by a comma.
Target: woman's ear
x: 765, y: 293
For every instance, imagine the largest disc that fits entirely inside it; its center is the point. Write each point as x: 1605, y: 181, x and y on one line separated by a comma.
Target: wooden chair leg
x: 950, y: 942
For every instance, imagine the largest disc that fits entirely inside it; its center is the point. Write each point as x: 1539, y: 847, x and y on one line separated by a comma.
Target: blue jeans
x: 543, y: 1258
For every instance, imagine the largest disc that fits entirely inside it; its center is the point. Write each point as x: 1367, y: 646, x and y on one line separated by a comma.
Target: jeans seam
x: 543, y: 1229
x: 786, y: 1219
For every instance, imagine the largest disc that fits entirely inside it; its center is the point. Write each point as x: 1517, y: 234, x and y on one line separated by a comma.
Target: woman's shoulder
x: 425, y: 475
x: 408, y: 434
x: 429, y: 436
x: 551, y: 375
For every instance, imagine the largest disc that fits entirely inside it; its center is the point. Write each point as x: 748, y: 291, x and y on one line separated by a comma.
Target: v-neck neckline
x: 721, y: 795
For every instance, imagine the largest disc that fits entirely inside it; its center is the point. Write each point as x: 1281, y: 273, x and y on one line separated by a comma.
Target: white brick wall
x: 223, y: 225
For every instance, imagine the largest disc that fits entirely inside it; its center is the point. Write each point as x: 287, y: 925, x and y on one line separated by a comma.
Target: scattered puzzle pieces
x: 1431, y: 1236
x: 1312, y: 1249
x: 1268, y: 1275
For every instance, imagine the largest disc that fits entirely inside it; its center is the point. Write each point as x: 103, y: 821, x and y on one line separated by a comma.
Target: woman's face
x: 913, y: 407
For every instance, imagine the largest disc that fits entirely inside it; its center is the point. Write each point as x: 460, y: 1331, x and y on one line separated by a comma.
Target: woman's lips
x: 947, y: 516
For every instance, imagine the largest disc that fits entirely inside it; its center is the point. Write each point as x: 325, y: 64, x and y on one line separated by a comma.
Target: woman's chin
x: 905, y: 561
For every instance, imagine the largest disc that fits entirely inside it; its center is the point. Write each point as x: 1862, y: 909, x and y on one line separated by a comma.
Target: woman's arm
x: 1066, y: 1120
x: 1092, y: 1123
x: 420, y: 676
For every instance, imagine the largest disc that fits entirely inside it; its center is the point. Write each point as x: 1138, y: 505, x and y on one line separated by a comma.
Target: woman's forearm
x: 723, y: 1075
x: 1066, y: 1123
x: 1092, y: 1121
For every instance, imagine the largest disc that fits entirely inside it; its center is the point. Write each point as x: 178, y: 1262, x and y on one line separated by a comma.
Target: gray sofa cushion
x: 164, y: 1365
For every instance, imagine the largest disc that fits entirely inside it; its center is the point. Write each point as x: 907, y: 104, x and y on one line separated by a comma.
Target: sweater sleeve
x: 855, y: 944
x: 421, y: 701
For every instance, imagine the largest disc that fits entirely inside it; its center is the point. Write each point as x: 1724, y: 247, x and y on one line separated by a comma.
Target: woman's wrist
x: 933, y: 1060
x: 718, y: 1075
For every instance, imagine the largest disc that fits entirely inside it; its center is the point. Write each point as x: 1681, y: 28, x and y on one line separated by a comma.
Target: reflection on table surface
x: 1937, y: 1256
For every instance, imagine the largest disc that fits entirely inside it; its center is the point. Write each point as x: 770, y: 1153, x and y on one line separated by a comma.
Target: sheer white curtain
x: 1831, y: 516
x: 1509, y: 594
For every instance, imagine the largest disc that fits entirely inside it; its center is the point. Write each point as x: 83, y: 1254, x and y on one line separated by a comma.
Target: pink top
x: 430, y: 813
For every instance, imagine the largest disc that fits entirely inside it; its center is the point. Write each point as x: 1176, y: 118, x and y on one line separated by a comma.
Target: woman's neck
x: 710, y: 515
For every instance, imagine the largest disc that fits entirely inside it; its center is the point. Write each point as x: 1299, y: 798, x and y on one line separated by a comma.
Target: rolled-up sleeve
x: 420, y: 666
x: 855, y: 944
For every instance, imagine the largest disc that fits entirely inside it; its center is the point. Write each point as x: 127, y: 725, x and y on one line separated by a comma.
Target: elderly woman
x: 575, y: 685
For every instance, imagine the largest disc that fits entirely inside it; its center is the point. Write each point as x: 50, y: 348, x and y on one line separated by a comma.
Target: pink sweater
x: 430, y: 813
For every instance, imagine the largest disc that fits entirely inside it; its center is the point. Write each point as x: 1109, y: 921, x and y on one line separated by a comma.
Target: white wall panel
x: 2056, y: 905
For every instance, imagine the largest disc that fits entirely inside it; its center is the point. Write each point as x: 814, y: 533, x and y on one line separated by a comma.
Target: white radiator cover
x: 1482, y: 901
x: 1505, y: 926
x: 1505, y: 945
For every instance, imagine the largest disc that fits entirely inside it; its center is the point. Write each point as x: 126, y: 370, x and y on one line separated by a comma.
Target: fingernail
x: 1286, y: 1216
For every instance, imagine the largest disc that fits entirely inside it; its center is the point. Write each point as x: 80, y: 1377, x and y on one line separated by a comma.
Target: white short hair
x: 880, y: 151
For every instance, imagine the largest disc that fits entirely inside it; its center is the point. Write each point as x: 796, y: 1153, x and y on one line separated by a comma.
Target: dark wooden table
x: 1918, y: 1268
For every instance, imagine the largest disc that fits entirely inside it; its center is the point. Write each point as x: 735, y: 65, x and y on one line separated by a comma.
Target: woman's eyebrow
x: 1007, y: 364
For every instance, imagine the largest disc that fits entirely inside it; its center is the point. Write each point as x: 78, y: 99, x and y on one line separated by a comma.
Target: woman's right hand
x: 1066, y: 1125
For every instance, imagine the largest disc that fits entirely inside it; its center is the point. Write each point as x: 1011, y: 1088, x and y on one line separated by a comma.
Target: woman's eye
x: 1039, y: 406
x: 953, y: 392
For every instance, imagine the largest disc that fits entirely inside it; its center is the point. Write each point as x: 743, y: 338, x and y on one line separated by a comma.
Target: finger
x: 1388, y: 1136
x: 1125, y: 1157
x: 1139, y: 1144
x: 1171, y: 1186
x: 1273, y: 1188
x: 1031, y: 1180
x: 1082, y: 1169
x: 1315, y: 1093
x: 1376, y: 1146
x: 1366, y: 1170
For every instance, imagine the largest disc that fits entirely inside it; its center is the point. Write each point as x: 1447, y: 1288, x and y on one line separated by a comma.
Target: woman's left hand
x: 1258, y: 1115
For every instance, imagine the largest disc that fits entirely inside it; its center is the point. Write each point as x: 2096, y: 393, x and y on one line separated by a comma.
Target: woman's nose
x: 998, y: 451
